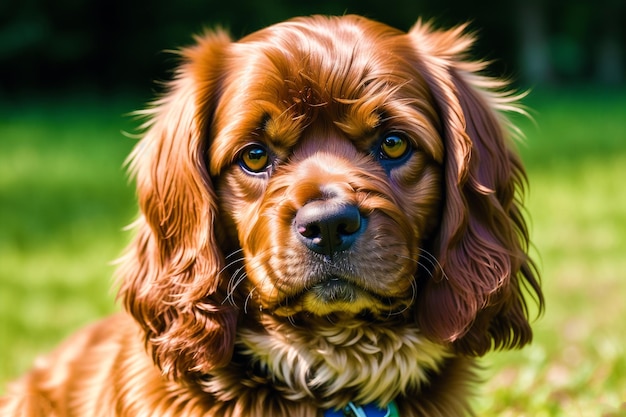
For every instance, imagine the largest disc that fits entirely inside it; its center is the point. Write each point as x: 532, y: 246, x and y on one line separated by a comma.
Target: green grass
x: 64, y: 200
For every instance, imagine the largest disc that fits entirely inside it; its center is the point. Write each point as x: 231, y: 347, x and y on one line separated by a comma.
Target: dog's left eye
x: 255, y: 159
x: 394, y: 146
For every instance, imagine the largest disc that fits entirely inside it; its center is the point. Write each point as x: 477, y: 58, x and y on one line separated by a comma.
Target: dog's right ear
x: 475, y: 298
x: 170, y: 278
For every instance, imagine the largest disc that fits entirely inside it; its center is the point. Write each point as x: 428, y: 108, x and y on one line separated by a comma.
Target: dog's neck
x: 335, y: 363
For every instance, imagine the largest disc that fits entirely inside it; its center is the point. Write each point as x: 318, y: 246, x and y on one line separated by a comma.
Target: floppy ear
x: 170, y: 277
x: 475, y: 298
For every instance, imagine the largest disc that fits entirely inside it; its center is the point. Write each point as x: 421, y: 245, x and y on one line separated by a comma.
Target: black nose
x: 327, y: 226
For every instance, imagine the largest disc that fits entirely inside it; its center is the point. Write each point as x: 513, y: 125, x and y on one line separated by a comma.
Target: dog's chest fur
x: 333, y: 363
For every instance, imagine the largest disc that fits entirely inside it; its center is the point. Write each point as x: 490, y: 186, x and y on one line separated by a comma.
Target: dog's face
x: 328, y: 163
x: 328, y: 166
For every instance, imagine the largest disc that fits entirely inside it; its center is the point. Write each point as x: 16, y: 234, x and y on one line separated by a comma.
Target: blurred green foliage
x: 113, y: 45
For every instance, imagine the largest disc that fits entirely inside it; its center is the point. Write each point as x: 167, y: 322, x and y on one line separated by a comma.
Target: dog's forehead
x: 336, y: 36
x: 321, y: 58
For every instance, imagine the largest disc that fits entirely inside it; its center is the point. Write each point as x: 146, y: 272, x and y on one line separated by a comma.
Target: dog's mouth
x: 335, y: 289
x: 335, y: 294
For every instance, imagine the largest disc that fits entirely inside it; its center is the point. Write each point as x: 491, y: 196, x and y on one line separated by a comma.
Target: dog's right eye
x: 394, y: 146
x: 255, y: 159
x: 393, y: 149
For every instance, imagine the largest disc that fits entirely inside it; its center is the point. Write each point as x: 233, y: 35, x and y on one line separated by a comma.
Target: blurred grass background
x: 63, y: 202
x: 64, y: 196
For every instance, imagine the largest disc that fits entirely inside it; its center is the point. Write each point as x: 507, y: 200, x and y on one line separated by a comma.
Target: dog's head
x: 328, y: 167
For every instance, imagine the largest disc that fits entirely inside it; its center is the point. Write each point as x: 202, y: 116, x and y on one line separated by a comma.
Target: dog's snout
x: 327, y: 226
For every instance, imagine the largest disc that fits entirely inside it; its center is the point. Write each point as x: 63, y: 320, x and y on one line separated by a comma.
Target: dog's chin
x: 336, y: 296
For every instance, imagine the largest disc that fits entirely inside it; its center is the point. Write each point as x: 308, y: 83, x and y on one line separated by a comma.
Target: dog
x: 331, y: 224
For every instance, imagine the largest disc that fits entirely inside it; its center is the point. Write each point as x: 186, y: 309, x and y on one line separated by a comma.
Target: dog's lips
x: 335, y: 289
x: 335, y: 294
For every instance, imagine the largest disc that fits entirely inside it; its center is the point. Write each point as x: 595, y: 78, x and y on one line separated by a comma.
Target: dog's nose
x: 327, y: 226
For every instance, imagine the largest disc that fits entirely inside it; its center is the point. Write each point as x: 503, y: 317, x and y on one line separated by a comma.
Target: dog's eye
x: 255, y: 158
x: 394, y: 146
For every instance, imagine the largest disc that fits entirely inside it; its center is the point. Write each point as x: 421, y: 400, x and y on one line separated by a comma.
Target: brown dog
x: 330, y: 219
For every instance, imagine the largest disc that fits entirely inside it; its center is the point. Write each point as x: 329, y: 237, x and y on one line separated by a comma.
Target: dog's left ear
x: 171, y: 278
x: 474, y: 299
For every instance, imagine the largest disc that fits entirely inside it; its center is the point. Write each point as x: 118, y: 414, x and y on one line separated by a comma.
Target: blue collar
x: 367, y: 410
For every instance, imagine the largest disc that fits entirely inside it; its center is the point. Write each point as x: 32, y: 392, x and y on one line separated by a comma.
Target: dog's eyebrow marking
x: 266, y: 118
x: 358, y: 121
x: 283, y: 129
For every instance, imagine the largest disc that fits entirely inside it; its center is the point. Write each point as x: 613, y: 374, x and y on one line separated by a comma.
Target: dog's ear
x: 170, y: 279
x: 474, y: 299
